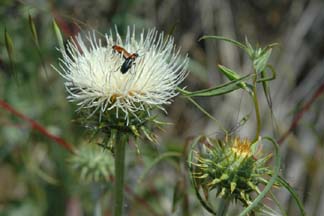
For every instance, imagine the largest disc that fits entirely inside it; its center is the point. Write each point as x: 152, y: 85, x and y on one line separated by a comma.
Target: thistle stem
x: 96, y: 194
x: 257, y: 110
x: 120, y: 145
x: 97, y: 209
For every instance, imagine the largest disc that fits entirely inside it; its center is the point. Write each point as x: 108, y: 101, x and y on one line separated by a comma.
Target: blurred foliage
x: 36, y: 177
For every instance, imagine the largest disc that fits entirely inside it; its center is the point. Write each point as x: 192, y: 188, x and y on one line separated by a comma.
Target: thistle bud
x: 231, y: 168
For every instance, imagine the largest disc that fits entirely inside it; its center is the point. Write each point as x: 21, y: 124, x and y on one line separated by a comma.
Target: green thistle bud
x: 230, y: 167
x: 93, y: 164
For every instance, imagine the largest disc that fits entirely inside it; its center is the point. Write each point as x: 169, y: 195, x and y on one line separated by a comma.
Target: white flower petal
x: 93, y: 78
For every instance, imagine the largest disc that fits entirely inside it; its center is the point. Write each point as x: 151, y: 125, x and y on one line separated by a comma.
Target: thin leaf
x: 33, y: 30
x: 249, y: 48
x: 10, y: 50
x: 58, y: 35
x: 268, y: 47
x: 215, y: 91
x: 234, y: 42
x: 9, y: 43
x: 232, y: 76
x: 36, y: 41
x: 261, y: 61
x: 266, y: 89
x: 264, y: 78
x: 294, y: 194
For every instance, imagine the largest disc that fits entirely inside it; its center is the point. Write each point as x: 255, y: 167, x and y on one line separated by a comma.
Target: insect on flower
x: 109, y: 77
x: 129, y: 58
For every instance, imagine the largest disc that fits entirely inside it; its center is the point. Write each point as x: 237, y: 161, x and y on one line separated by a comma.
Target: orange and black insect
x: 129, y: 58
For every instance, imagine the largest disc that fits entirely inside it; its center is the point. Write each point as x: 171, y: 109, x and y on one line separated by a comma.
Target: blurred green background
x: 35, y: 175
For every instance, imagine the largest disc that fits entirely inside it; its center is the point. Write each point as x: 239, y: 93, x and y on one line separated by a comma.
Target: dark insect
x: 129, y: 58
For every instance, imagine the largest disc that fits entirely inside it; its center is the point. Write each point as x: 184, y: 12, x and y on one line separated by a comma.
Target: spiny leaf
x: 33, y: 30
x: 135, y: 131
x: 112, y: 141
x: 148, y: 135
x: 224, y: 176
x: 233, y: 186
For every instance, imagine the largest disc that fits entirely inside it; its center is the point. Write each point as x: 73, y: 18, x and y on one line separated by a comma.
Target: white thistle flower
x: 93, y: 78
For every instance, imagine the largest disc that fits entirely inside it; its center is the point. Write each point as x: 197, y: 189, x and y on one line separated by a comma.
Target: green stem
x: 257, y: 110
x: 96, y: 195
x: 97, y: 209
x: 120, y: 145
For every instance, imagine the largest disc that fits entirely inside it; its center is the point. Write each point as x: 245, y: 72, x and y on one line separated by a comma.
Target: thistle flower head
x: 230, y: 167
x: 123, y: 77
x: 241, y: 147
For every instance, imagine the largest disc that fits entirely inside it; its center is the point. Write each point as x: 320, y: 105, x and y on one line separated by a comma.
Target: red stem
x: 37, y: 126
x: 302, y: 111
